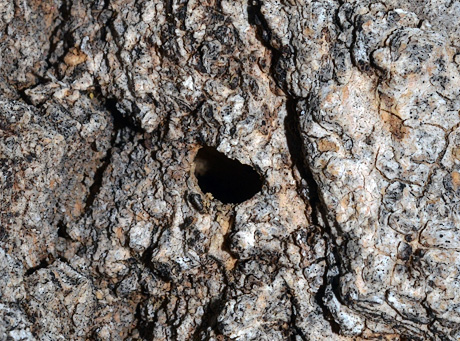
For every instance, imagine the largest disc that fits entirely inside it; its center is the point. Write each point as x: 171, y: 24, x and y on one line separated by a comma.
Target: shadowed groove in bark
x: 295, y: 144
x: 43, y: 264
x: 98, y: 175
x: 264, y: 35
x: 61, y: 33
x: 209, y: 319
x: 119, y: 122
x: 297, y: 152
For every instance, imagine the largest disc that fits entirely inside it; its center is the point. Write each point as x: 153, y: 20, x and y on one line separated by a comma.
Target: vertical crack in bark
x: 209, y: 318
x: 295, y: 330
x: 95, y: 188
x: 311, y: 195
x: 313, y: 198
x: 60, y: 33
x: 119, y: 122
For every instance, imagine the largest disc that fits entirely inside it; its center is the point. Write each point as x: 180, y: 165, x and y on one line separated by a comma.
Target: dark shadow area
x: 62, y: 230
x: 264, y: 35
x: 227, y: 180
x: 119, y: 122
x: 209, y: 319
x: 313, y: 197
x: 296, y: 150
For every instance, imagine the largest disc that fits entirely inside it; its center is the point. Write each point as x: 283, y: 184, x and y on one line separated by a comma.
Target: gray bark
x: 229, y: 170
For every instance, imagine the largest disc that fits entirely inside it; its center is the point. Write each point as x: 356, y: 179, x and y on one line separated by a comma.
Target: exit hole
x: 227, y: 180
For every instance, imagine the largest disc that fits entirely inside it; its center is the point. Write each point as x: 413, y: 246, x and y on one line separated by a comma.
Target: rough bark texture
x: 348, y: 112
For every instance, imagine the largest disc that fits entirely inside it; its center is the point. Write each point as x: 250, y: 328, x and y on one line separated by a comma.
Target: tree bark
x: 229, y: 170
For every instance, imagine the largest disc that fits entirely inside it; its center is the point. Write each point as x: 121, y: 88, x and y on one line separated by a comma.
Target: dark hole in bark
x: 227, y: 180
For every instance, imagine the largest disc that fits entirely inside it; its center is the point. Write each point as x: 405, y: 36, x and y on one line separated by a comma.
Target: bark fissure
x: 311, y: 194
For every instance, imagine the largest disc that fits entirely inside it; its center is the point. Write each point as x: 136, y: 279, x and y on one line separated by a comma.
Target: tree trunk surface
x: 229, y: 170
